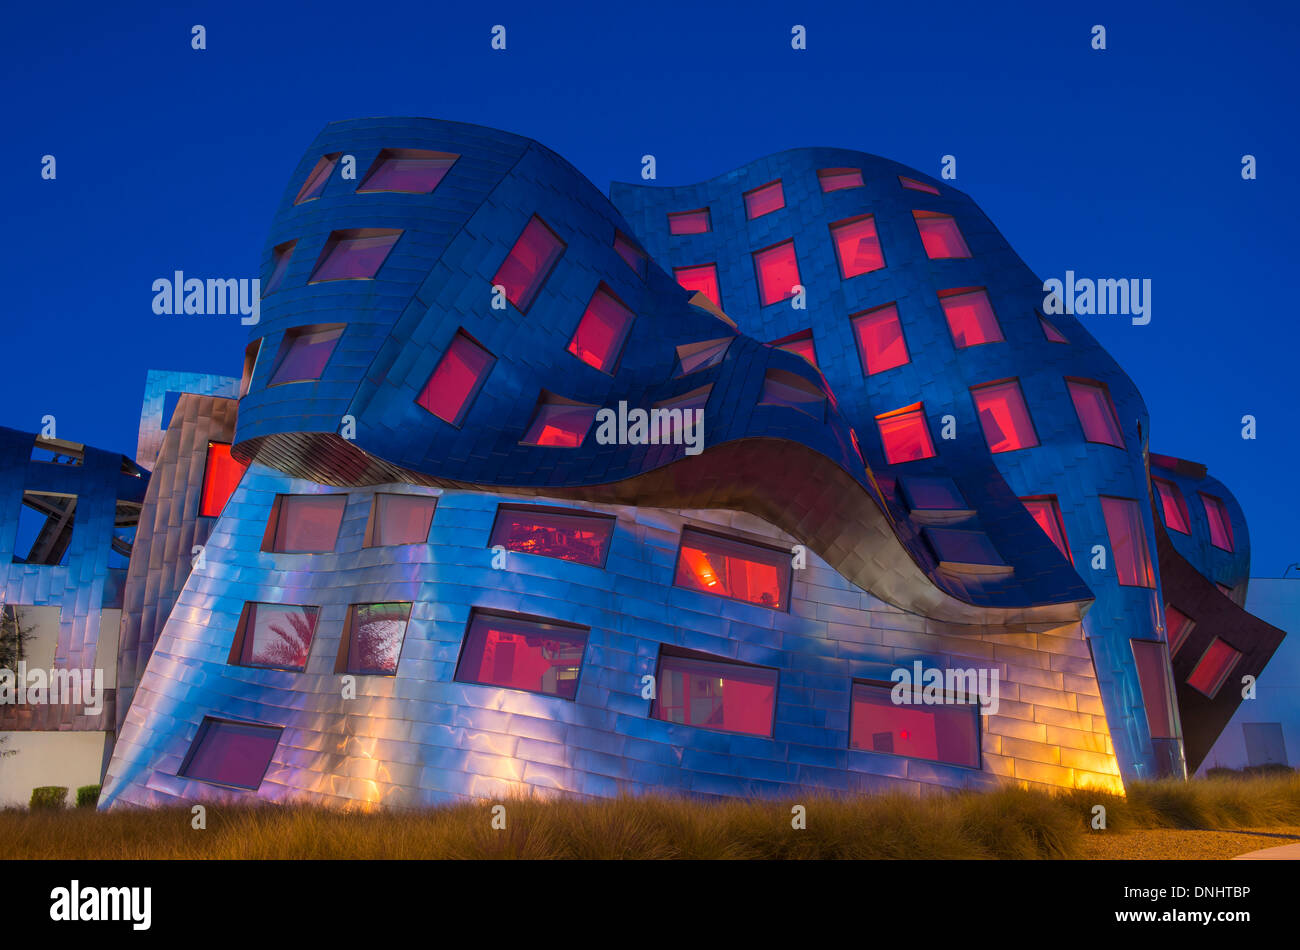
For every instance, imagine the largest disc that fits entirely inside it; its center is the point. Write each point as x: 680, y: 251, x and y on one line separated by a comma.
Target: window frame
x: 785, y: 574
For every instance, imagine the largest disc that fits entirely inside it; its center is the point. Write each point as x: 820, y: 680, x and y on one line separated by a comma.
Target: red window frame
x: 399, y: 518
x: 556, y: 423
x: 948, y: 732
x: 328, y: 510
x: 714, y: 692
x: 972, y: 321
x: 1004, y: 416
x: 1178, y: 626
x: 838, y: 179
x: 940, y: 236
x: 1096, y: 412
x: 354, y: 254
x: 1172, y: 505
x: 764, y: 199
x: 1216, y: 515
x: 317, y: 178
x: 458, y: 378
x: 221, y: 476
x: 1046, y: 511
x: 696, y: 221
x: 1128, y: 541
x: 1214, y: 667
x: 700, y: 278
x: 914, y: 185
x: 773, y: 267
x: 512, y: 651
x: 296, y: 633
x: 357, y: 654
x: 599, y: 315
x: 881, y: 342
x: 849, y: 237
x: 231, y: 753
x: 411, y: 171
x: 717, y: 564
x: 904, y: 422
x: 529, y: 264
x: 567, y: 534
x: 1151, y: 659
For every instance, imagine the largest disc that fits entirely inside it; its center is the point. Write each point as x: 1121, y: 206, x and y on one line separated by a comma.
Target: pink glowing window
x: 801, y: 344
x: 304, y: 524
x: 280, y: 256
x: 857, y: 246
x: 304, y: 351
x: 1051, y: 332
x: 1213, y: 668
x: 702, y: 355
x: 778, y: 273
x: 764, y: 200
x: 1004, y: 416
x: 410, y: 170
x: 728, y: 568
x: 529, y: 263
x: 519, y: 653
x: 698, y: 221
x: 947, y: 732
x: 276, y: 636
x: 631, y: 254
x: 553, y: 532
x: 1220, y: 524
x: 880, y: 339
x: 559, y: 423
x: 915, y: 185
x: 372, y: 641
x: 1156, y: 680
x: 1178, y: 626
x: 837, y: 179
x: 231, y: 753
x: 905, y: 435
x: 355, y: 254
x: 1173, y: 505
x: 700, y: 279
x: 1128, y: 541
x: 715, y: 694
x: 940, y: 235
x: 783, y: 388
x: 601, y: 331
x: 1047, y: 513
x: 319, y: 177
x: 399, y: 519
x: 221, y: 475
x: 1096, y: 412
x: 970, y: 315
x: 456, y: 380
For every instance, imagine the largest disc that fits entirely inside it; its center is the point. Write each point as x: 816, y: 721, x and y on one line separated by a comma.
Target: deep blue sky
x: 1114, y: 164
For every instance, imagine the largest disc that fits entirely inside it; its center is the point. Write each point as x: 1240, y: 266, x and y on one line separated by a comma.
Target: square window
x: 801, y: 344
x: 778, y: 273
x: 905, y: 435
x: 1128, y: 542
x: 715, y: 693
x: 221, y: 475
x: 783, y: 388
x: 700, y: 279
x: 304, y: 351
x: 931, y: 493
x: 1177, y: 628
x: 522, y: 653
x: 940, y: 235
x: 318, y: 179
x: 914, y: 185
x: 857, y: 246
x: 457, y: 379
x: 560, y: 423
x: 354, y: 254
x: 1156, y: 679
x: 959, y: 547
x: 45, y: 524
x: 702, y: 355
x: 274, y: 636
x: 631, y: 254
x: 1096, y: 412
x: 553, y: 532
x: 752, y: 573
x: 372, y: 641
x: 1047, y: 513
x: 601, y: 331
x: 1173, y: 505
x: 698, y: 221
x: 764, y: 200
x: 1004, y: 416
x: 409, y: 170
x: 231, y: 753
x: 1216, y: 513
x: 947, y: 732
x: 1213, y: 668
x: 304, y: 524
x: 837, y: 179
x: 970, y: 316
x: 1051, y: 332
x: 529, y: 263
x: 280, y: 256
x: 399, y: 519
x: 879, y: 333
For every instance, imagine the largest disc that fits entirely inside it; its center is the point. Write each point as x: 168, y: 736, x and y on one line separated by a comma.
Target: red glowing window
x: 1128, y: 541
x: 783, y: 388
x: 764, y: 200
x: 1051, y: 332
x: 553, y: 532
x: 698, y: 221
x: 1220, y: 524
x: 879, y: 333
x: 971, y: 319
x: 319, y: 177
x: 1173, y: 505
x: 456, y: 380
x: 940, y: 235
x: 905, y: 435
x: 601, y: 331
x: 1178, y: 626
x: 304, y: 524
x: 837, y: 179
x: 857, y: 246
x: 750, y: 572
x: 529, y: 263
x: 947, y: 732
x: 221, y: 475
x: 519, y: 653
x: 372, y: 640
x: 410, y: 170
x: 1004, y: 416
x: 715, y: 694
x: 1096, y: 412
x: 231, y: 753
x: 700, y: 279
x: 275, y: 636
x: 304, y: 351
x: 1047, y: 513
x: 801, y: 344
x: 399, y: 519
x: 702, y: 355
x: 355, y: 254
x: 559, y: 423
x: 915, y: 185
x: 1156, y: 680
x: 1213, y: 668
x: 778, y: 273
x: 280, y: 256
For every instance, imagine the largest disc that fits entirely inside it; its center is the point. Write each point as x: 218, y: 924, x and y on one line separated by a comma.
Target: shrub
x: 49, y: 796
x: 88, y: 796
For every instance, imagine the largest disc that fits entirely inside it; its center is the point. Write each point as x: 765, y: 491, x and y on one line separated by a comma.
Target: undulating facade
x: 527, y: 489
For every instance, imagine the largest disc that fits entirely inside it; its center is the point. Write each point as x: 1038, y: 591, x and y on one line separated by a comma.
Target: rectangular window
x: 698, y: 221
x: 837, y: 179
x: 740, y: 570
x: 399, y: 519
x: 318, y: 179
x: 970, y: 316
x: 280, y: 255
x: 1096, y: 412
x: 355, y: 254
x: 521, y: 653
x: 1173, y: 505
x: 553, y: 532
x: 1128, y: 541
x: 915, y: 185
x: 601, y: 331
x: 1156, y: 680
x: 631, y: 254
x: 1004, y: 416
x: 275, y: 636
x: 304, y: 524
x: 764, y: 200
x: 529, y: 263
x: 412, y: 171
x: 778, y: 273
x: 1177, y: 628
x: 231, y: 753
x: 905, y: 435
x: 1047, y: 513
x: 962, y: 548
x: 560, y: 423
x: 221, y: 475
x: 700, y: 279
x: 304, y: 352
x: 457, y: 379
x: 372, y: 639
x: 879, y: 333
x: 783, y: 388
x: 931, y: 493
x: 947, y: 732
x: 801, y: 344
x: 940, y: 235
x: 1213, y: 668
x: 857, y: 246
x: 715, y: 693
x: 1216, y: 513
